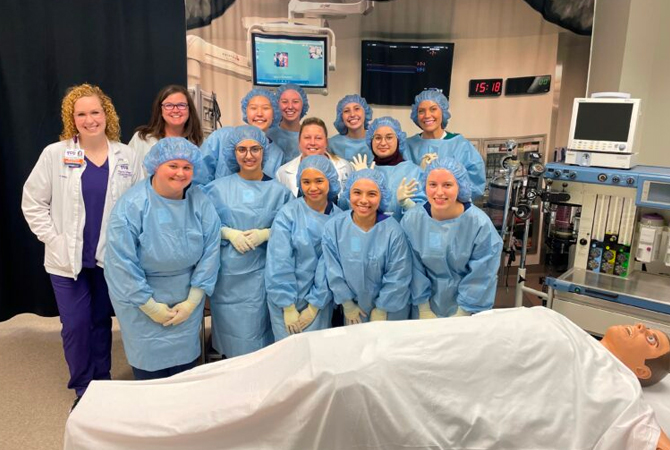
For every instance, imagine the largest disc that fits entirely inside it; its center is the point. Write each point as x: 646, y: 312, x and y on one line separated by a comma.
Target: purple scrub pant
x: 86, y: 314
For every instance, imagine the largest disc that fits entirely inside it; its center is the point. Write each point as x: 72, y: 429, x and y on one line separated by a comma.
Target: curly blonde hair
x: 74, y: 93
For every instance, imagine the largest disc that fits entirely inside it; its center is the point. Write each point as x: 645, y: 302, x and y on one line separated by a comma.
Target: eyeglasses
x: 171, y: 106
x: 388, y: 138
x: 242, y: 151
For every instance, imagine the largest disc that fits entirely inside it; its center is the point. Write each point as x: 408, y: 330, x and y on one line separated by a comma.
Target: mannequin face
x: 384, y: 142
x: 429, y: 115
x: 633, y: 345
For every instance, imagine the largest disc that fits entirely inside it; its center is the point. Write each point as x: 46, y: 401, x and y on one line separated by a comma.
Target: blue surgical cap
x: 171, y: 148
x: 303, y: 95
x: 237, y: 135
x: 276, y: 113
x: 435, y: 96
x: 353, y: 98
x: 457, y: 170
x: 387, y: 121
x: 323, y: 165
x: 378, y: 178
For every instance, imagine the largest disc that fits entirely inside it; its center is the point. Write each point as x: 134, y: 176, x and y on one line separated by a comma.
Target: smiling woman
x: 173, y: 114
x: 87, y: 171
x: 163, y: 257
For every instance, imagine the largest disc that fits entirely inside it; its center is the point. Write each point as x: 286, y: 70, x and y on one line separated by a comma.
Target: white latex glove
x: 308, y: 315
x: 360, y: 162
x: 352, y: 313
x: 378, y: 314
x: 425, y: 312
x: 405, y: 192
x: 292, y: 320
x: 186, y: 308
x: 257, y: 236
x: 427, y: 159
x: 158, y: 312
x: 460, y: 312
x: 237, y: 238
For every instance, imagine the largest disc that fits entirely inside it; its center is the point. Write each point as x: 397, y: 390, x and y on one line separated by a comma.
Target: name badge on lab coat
x: 124, y: 168
x: 73, y: 157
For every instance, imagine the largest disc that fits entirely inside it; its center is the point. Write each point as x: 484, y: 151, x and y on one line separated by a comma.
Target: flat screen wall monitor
x: 393, y: 73
x: 279, y: 59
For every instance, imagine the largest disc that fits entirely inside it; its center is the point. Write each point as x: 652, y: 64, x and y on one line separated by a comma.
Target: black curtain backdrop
x: 130, y: 48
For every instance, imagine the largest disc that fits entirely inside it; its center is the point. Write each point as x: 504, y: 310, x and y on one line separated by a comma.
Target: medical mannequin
x: 518, y: 378
x: 636, y: 346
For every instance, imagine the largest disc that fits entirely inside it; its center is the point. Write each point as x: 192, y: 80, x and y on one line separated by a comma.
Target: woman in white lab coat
x: 67, y: 200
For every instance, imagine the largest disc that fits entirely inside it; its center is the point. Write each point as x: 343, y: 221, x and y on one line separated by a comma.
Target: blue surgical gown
x: 159, y: 247
x: 286, y: 140
x: 240, y: 319
x: 455, y: 261
x: 454, y: 146
x: 295, y: 272
x: 394, y: 175
x: 346, y: 147
x: 373, y: 268
x: 215, y: 161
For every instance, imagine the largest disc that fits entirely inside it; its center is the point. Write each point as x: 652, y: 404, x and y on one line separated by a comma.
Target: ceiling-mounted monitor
x: 393, y: 73
x: 278, y: 59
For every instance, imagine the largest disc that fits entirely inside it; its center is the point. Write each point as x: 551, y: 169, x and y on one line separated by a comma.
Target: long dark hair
x: 156, y: 126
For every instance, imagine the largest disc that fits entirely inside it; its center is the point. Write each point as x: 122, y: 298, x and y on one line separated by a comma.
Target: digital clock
x: 486, y: 88
x: 528, y: 85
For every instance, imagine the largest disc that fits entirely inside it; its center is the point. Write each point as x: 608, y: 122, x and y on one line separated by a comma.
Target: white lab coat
x: 142, y: 147
x: 287, y: 174
x: 53, y: 204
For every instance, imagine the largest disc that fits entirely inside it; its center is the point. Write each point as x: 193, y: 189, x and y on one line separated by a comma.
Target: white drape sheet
x: 506, y: 379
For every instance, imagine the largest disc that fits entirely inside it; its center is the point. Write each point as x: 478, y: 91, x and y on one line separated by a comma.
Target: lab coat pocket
x: 56, y: 254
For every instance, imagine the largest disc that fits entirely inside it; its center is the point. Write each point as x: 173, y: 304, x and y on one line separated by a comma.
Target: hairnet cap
x: 276, y: 113
x: 323, y: 165
x: 352, y: 98
x: 435, y: 96
x: 378, y: 178
x: 303, y: 95
x: 171, y: 148
x: 239, y: 134
x: 387, y: 121
x: 457, y: 170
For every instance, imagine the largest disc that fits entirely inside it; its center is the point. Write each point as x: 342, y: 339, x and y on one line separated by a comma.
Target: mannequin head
x: 643, y: 350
